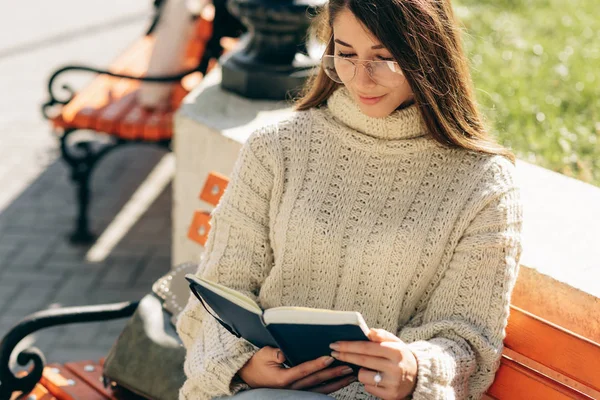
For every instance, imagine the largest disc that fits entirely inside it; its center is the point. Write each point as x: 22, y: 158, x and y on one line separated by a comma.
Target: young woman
x: 382, y: 194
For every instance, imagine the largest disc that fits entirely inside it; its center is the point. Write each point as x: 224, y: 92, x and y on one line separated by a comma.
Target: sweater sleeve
x: 238, y: 255
x: 458, y: 335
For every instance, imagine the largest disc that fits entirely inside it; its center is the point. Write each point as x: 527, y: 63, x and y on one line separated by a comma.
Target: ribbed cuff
x: 222, y: 373
x: 432, y: 382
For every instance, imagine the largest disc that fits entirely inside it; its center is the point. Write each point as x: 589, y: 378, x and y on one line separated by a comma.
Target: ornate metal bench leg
x: 81, y: 177
x: 82, y: 157
x: 9, y: 383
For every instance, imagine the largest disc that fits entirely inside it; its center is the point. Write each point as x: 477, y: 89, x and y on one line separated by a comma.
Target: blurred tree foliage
x: 536, y: 70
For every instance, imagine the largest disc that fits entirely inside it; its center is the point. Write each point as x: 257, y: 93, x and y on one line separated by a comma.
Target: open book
x: 301, y: 333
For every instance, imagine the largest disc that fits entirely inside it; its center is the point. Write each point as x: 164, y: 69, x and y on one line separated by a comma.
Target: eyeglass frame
x: 365, y: 63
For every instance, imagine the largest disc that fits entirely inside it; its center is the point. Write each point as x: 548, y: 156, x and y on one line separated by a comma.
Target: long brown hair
x: 424, y: 38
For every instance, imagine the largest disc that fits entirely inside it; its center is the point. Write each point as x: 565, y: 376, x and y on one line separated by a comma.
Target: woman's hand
x: 386, y: 354
x: 264, y: 370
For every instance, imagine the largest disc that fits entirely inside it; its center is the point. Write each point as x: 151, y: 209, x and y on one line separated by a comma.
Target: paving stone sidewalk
x: 38, y: 267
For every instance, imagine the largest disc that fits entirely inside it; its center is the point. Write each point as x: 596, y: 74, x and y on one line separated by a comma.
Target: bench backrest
x: 540, y: 360
x: 544, y: 361
x: 110, y: 104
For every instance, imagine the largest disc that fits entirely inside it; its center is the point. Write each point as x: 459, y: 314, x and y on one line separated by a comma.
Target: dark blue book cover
x: 302, y: 334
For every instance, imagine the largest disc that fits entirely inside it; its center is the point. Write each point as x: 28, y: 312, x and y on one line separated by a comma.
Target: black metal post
x: 273, y: 60
x: 81, y: 178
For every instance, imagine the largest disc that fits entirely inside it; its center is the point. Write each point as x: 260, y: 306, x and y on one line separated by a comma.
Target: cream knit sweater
x: 333, y: 209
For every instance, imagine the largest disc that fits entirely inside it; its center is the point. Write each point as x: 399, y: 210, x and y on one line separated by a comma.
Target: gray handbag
x: 147, y: 357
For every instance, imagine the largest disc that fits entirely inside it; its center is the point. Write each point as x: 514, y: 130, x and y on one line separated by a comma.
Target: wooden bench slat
x: 516, y: 382
x: 80, y: 110
x: 554, y: 375
x: 110, y: 116
x: 108, y: 104
x: 177, y: 96
x: 199, y: 228
x: 554, y: 347
x: 214, y: 187
x: 131, y: 126
x: 194, y: 52
x: 123, y: 95
x: 65, y: 385
x: 39, y: 391
x: 213, y: 190
x: 204, y: 25
x: 119, y: 98
x: 159, y: 126
x: 91, y: 377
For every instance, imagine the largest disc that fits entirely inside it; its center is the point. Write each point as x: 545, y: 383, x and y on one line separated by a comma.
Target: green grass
x: 536, y: 69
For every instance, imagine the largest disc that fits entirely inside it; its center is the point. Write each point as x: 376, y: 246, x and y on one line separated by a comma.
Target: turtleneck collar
x: 406, y: 123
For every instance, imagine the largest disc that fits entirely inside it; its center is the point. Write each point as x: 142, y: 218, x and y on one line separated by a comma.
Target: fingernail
x: 328, y: 360
x: 347, y: 370
x: 335, y: 354
x: 352, y: 378
x: 334, y: 346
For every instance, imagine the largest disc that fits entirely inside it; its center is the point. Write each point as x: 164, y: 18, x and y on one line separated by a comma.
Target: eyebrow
x: 376, y: 47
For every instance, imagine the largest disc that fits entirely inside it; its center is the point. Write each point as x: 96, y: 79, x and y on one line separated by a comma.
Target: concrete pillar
x: 210, y: 128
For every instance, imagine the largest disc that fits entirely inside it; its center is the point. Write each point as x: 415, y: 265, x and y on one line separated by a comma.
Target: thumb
x: 278, y: 356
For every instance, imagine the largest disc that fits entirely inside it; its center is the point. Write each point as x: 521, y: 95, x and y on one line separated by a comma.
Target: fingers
x: 331, y: 387
x: 381, y: 335
x: 373, y: 349
x: 273, y: 354
x: 376, y: 391
x: 305, y: 369
x: 279, y: 357
x: 374, y: 363
x: 367, y: 377
x: 321, y: 376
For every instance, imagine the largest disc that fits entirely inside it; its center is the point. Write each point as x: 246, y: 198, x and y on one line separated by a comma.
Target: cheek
x: 400, y: 95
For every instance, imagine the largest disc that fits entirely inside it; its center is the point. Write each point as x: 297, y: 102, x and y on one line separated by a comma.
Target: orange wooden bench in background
x: 108, y: 104
x: 540, y: 361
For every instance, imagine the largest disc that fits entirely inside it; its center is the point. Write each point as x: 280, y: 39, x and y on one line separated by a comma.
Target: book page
x: 313, y: 316
x: 230, y: 294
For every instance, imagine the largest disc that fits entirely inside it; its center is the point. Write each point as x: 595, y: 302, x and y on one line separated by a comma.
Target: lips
x: 369, y: 100
x: 368, y: 97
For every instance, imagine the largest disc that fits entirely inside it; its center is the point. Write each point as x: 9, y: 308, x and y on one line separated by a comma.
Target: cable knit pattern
x: 333, y: 209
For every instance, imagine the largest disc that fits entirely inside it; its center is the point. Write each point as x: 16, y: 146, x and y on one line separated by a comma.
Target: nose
x: 363, y: 79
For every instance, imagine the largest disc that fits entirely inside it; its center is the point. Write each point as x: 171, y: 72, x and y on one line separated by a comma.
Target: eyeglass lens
x: 343, y: 70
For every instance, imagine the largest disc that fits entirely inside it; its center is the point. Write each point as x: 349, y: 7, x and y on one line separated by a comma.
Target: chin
x: 376, y: 112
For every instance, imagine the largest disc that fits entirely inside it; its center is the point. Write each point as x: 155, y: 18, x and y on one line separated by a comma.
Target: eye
x: 385, y: 58
x: 345, y: 54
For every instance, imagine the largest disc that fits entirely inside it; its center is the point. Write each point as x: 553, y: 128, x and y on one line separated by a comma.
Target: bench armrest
x: 10, y: 383
x: 54, y: 100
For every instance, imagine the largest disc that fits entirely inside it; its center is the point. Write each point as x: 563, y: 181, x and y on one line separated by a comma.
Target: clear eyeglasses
x: 343, y: 70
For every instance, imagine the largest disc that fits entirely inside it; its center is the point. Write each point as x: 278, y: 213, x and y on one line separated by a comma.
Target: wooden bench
x: 108, y: 104
x: 540, y: 360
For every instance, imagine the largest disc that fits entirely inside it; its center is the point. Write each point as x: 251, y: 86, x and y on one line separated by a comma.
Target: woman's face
x: 353, y: 40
